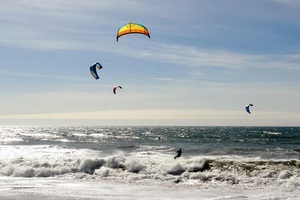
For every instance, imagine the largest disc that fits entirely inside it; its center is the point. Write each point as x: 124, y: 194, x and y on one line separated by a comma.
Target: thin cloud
x: 193, y: 57
x: 202, y: 56
x: 288, y: 2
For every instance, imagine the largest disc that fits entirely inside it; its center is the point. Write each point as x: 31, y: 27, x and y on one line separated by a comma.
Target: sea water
x: 138, y: 163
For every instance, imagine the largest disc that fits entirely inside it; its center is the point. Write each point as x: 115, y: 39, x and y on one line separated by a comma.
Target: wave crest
x: 196, y: 170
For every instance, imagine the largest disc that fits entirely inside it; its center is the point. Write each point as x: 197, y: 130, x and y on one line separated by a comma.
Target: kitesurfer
x: 178, y: 153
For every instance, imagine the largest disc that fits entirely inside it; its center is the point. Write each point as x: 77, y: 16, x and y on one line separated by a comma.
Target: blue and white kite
x: 248, y: 108
x: 93, y: 70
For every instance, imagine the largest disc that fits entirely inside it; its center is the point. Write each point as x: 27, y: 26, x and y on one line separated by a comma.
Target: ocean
x: 90, y: 162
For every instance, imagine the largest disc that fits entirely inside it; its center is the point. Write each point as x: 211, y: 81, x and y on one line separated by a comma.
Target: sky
x: 205, y: 61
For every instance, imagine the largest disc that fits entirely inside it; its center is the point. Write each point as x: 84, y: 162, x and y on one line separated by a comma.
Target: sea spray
x: 240, y: 157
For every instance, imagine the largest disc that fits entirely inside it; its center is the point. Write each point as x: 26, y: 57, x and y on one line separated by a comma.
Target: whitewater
x: 138, y: 163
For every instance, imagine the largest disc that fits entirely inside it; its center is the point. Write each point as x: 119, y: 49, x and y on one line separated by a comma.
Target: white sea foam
x: 53, y: 189
x: 273, y: 133
x: 127, y: 163
x: 151, y: 169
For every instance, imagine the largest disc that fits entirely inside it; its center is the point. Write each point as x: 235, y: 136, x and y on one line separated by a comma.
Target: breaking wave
x: 160, y: 169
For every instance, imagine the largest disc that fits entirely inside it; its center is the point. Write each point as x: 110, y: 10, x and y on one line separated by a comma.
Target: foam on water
x: 153, y: 169
x: 135, y: 156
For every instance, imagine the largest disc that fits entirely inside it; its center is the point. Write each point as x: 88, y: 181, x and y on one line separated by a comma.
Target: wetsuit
x: 178, y: 154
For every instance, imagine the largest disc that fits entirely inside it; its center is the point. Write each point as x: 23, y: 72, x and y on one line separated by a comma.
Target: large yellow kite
x: 132, y: 28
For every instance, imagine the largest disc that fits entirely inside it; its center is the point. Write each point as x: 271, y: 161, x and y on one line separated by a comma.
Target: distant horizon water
x: 158, y: 122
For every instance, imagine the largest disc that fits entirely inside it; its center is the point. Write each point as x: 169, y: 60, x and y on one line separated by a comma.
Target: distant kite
x: 93, y: 70
x: 248, y: 108
x: 130, y: 28
x: 115, y: 88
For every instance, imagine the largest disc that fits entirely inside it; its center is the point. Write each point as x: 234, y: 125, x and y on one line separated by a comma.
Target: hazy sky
x: 206, y: 60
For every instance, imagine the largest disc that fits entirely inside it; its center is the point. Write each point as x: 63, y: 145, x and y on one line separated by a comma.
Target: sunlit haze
x: 205, y: 61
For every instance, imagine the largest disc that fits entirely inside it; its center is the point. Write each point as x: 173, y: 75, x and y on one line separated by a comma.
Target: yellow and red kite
x: 132, y: 28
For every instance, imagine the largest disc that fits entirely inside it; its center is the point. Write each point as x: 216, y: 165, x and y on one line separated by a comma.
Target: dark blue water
x: 265, y: 142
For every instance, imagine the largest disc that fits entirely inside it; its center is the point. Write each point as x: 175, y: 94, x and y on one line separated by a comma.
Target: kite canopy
x: 248, y: 108
x: 130, y: 28
x: 115, y: 88
x: 93, y: 70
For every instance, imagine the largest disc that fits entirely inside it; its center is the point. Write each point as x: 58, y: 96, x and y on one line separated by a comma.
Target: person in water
x: 178, y: 154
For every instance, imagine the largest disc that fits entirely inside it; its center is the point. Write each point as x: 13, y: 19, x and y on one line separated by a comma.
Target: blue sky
x: 205, y: 61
